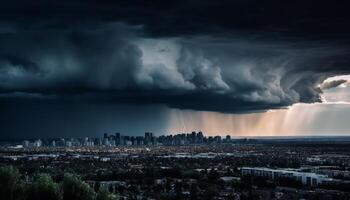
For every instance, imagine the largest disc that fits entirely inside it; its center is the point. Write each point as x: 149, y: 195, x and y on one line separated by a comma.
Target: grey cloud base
x: 227, y: 74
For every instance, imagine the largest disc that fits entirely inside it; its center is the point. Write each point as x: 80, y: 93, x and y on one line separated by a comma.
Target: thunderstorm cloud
x: 232, y: 56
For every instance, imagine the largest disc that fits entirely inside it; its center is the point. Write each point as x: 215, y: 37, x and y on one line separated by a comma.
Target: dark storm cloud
x: 332, y: 84
x: 187, y: 17
x: 228, y: 56
x: 71, y: 61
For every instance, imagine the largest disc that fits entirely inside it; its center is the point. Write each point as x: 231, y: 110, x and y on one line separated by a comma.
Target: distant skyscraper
x: 69, y: 144
x: 217, y: 139
x: 26, y: 143
x: 98, y: 142
x: 149, y: 138
x: 200, y: 137
x: 148, y: 134
x: 228, y: 138
x: 139, y: 140
x: 37, y: 143
x: 122, y: 140
x: 117, y: 139
x: 106, y: 141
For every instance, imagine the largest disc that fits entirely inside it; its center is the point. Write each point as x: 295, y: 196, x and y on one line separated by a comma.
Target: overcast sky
x: 82, y: 68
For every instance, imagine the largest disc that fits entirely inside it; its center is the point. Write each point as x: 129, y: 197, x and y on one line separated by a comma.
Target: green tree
x: 167, y: 185
x: 178, y: 189
x: 213, y: 176
x: 210, y: 193
x: 97, y: 186
x: 103, y: 194
x: 11, y: 186
x: 194, y: 192
x: 43, y: 187
x: 76, y: 189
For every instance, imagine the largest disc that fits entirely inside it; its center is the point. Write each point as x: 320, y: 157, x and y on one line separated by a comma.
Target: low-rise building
x: 306, y: 178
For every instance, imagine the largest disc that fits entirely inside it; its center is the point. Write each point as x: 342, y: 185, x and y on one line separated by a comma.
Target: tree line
x: 14, y: 186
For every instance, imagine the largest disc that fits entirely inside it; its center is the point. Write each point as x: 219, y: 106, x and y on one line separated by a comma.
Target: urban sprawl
x: 182, y: 166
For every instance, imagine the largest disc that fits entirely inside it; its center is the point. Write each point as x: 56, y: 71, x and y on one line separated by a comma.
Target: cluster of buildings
x: 36, y: 143
x: 192, y: 138
x: 117, y: 139
x: 306, y: 178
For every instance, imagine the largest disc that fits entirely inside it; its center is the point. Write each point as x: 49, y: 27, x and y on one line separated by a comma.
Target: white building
x: 37, y: 143
x: 307, y: 178
x: 69, y: 144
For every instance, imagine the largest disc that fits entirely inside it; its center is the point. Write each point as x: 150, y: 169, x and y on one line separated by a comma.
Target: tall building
x: 86, y: 141
x: 139, y: 140
x: 122, y: 140
x: 26, y: 143
x: 217, y: 139
x: 69, y: 143
x: 53, y: 143
x: 148, y: 138
x: 98, y: 142
x: 148, y: 134
x: 228, y: 138
x: 200, y: 137
x: 106, y: 141
x: 38, y: 143
x: 193, y: 139
x: 117, y: 139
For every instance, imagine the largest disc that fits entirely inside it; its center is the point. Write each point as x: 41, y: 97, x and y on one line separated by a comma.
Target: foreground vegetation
x: 13, y: 186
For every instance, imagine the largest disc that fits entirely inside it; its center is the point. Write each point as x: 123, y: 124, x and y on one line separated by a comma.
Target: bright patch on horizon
x: 340, y: 93
x: 328, y: 117
x: 300, y: 119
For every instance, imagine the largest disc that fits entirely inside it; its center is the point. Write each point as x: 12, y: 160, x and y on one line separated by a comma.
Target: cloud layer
x: 125, y: 53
